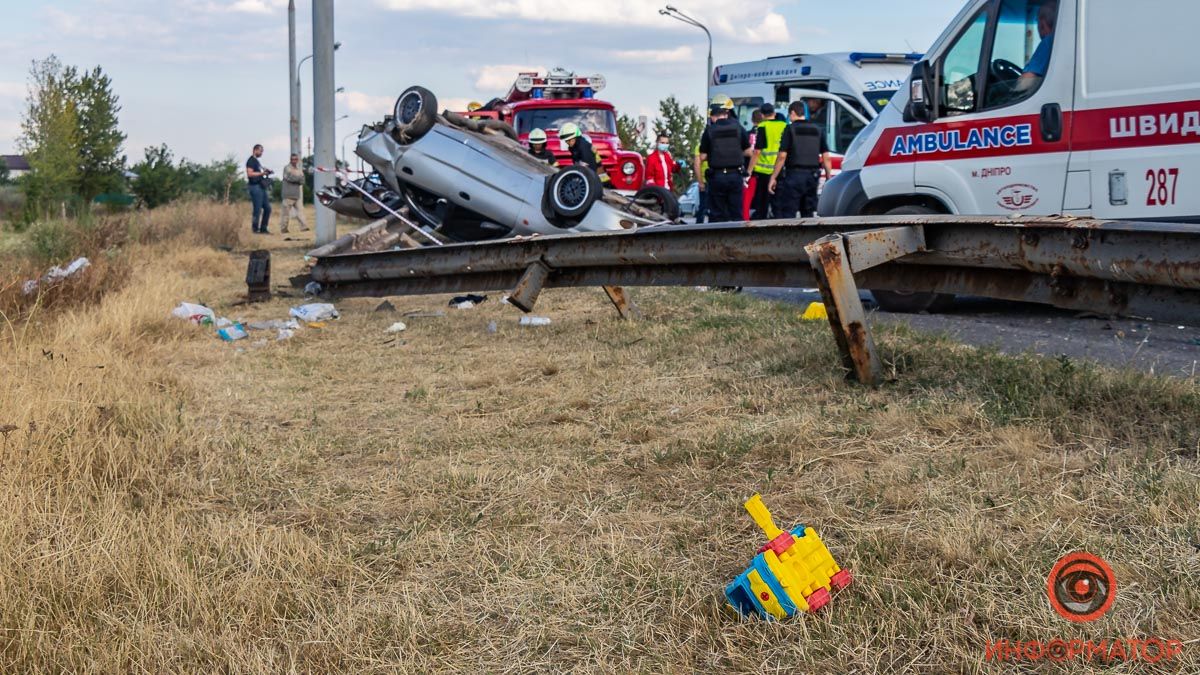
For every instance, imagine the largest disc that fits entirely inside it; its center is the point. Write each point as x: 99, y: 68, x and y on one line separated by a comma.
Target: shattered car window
x: 590, y: 120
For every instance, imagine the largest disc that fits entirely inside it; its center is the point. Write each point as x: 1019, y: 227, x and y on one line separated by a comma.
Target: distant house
x: 17, y: 165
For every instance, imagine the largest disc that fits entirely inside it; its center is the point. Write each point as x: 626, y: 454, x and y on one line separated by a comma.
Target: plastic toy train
x: 794, y: 572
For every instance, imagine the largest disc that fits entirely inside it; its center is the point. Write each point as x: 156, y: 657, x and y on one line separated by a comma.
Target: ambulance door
x: 999, y: 143
x: 1136, y: 127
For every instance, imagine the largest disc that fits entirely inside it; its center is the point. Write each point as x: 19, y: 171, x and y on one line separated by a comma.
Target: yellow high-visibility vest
x: 766, y: 157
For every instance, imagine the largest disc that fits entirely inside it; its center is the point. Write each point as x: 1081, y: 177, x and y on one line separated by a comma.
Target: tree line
x: 71, y: 139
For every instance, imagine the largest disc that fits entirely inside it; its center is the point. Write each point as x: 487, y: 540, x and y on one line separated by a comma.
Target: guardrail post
x: 831, y: 265
x: 525, y: 295
x: 624, y: 304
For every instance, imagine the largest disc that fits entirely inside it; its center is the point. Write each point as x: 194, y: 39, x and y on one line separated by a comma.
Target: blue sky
x: 209, y: 77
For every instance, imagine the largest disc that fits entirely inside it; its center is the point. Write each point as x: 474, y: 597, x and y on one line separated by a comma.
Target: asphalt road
x: 1015, y: 327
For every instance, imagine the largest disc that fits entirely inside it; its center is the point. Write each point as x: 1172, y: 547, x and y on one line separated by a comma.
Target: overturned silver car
x: 471, y: 180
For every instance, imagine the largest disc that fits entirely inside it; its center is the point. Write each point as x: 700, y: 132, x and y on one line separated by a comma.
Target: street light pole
x: 674, y: 13
x: 323, y: 113
x: 294, y: 76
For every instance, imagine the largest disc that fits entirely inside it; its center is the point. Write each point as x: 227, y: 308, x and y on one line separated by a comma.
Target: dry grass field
x: 558, y: 498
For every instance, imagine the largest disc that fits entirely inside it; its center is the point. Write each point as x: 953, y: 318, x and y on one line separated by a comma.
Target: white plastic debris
x: 465, y: 304
x: 534, y: 321
x: 313, y: 312
x: 56, y: 274
x: 222, y: 322
x: 197, y: 314
x: 233, y: 333
x: 397, y: 327
x: 273, y: 324
x: 285, y: 334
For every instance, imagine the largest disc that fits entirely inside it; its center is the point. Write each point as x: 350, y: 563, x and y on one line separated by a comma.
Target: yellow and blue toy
x: 794, y: 572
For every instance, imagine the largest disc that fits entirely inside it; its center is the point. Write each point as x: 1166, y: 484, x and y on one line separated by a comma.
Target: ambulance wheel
x: 909, y: 302
x: 415, y: 113
x: 572, y: 191
x: 658, y: 199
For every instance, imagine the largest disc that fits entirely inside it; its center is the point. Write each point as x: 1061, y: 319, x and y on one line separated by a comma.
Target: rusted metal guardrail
x: 1106, y: 267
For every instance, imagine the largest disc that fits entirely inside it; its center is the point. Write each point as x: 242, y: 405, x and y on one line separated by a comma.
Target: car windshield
x: 878, y: 99
x: 590, y: 120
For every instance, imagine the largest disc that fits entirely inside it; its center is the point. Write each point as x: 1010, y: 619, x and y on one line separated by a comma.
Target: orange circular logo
x: 1081, y: 587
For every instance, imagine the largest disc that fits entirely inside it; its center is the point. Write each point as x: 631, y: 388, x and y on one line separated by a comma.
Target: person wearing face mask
x: 660, y: 166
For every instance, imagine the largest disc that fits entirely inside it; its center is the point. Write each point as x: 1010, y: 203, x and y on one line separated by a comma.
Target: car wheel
x: 572, y: 191
x: 908, y: 302
x: 415, y: 114
x: 658, y: 199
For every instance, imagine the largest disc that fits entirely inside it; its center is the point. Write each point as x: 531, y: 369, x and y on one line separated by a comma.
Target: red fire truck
x: 548, y: 101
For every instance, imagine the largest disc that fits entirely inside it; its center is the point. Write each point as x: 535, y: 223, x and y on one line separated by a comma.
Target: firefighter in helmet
x: 537, y: 147
x: 582, y: 151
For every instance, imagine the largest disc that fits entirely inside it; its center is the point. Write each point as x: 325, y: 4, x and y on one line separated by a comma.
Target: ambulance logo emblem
x: 1017, y: 197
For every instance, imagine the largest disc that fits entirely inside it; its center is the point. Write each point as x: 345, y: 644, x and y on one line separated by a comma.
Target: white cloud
x: 500, y: 77
x: 361, y: 103
x: 12, y: 90
x: 677, y: 55
x: 250, y: 6
x: 730, y: 19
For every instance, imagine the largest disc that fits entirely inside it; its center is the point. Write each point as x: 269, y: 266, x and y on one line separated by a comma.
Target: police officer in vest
x: 802, y: 154
x: 725, y: 147
x: 766, y: 149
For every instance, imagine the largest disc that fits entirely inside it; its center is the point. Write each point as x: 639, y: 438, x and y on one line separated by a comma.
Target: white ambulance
x: 844, y: 90
x: 1037, y: 107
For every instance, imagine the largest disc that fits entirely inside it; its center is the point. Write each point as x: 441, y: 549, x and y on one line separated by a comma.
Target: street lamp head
x: 671, y: 9
x: 339, y: 90
x: 337, y: 46
x: 664, y: 12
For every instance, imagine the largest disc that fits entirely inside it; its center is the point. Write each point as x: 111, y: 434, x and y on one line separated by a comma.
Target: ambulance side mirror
x: 920, y: 94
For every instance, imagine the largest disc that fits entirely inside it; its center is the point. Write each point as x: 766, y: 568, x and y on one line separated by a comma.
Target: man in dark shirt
x: 725, y: 146
x: 802, y: 153
x: 582, y: 151
x: 257, y: 179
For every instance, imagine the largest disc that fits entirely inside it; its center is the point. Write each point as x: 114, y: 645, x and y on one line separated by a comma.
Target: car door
x: 999, y: 143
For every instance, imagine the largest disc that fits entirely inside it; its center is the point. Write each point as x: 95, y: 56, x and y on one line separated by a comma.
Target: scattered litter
x: 222, y: 322
x: 56, y: 274
x: 467, y: 301
x: 312, y: 288
x: 534, y: 321
x: 233, y: 333
x: 504, y: 300
x: 815, y: 312
x: 385, y: 306
x: 285, y: 334
x: 800, y: 555
x: 313, y: 312
x: 259, y: 344
x: 317, y: 324
x: 397, y: 327
x: 197, y: 314
x: 419, y: 314
x: 273, y: 324
x: 492, y: 328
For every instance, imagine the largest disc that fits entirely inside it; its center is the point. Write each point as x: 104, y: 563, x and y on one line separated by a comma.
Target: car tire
x: 572, y: 191
x: 414, y: 114
x: 908, y: 302
x: 663, y: 199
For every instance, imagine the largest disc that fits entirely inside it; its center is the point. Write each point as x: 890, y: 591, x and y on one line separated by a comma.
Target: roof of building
x: 15, y: 162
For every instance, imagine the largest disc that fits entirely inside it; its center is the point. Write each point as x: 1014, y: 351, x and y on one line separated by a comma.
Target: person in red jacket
x: 660, y: 166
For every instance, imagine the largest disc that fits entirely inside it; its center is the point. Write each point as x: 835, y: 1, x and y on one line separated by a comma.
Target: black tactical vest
x: 806, y: 146
x: 725, y: 146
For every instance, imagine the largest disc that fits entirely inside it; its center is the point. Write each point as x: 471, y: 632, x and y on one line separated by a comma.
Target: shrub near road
x: 565, y: 497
